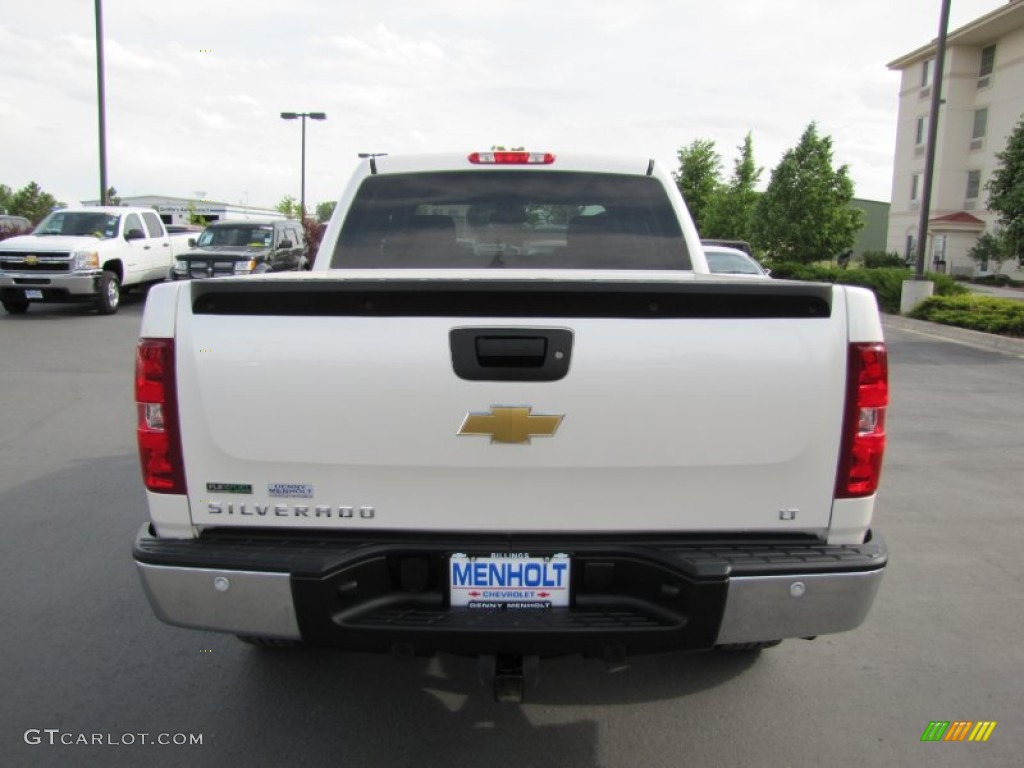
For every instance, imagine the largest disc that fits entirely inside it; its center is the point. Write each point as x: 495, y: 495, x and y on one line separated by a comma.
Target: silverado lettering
x: 284, y: 510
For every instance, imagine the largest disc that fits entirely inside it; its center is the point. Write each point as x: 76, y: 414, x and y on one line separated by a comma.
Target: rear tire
x: 16, y: 306
x: 110, y: 294
x: 758, y: 645
x: 268, y: 642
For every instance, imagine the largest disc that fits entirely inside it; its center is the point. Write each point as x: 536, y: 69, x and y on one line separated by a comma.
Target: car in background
x: 732, y: 261
x: 244, y: 247
x: 14, y: 224
x: 88, y: 254
x: 183, y: 229
x: 739, y: 245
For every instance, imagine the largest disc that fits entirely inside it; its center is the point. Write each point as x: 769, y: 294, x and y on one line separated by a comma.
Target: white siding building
x: 176, y: 210
x: 983, y: 88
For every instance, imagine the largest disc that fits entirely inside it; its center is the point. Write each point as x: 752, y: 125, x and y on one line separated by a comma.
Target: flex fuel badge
x: 229, y: 488
x: 290, y: 491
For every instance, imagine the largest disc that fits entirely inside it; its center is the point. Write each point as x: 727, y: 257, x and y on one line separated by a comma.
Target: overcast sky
x: 195, y: 88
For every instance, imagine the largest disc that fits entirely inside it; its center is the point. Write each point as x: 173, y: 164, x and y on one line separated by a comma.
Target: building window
x: 910, y: 254
x: 973, y: 184
x: 920, y: 135
x: 915, y: 187
x: 988, y: 60
x: 926, y: 73
x: 980, y: 123
x: 939, y: 253
x: 980, y: 126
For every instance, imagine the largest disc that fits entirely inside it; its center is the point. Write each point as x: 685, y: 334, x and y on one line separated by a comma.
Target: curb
x: 1005, y: 344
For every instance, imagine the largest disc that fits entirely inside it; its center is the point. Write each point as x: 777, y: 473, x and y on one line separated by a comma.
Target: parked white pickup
x: 511, y: 414
x: 86, y: 255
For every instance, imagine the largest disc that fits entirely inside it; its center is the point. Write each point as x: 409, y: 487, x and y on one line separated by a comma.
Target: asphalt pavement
x: 1005, y: 344
x: 85, y: 659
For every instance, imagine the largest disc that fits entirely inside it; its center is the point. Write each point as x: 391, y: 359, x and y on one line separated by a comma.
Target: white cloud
x: 194, y: 90
x: 384, y: 48
x: 123, y: 57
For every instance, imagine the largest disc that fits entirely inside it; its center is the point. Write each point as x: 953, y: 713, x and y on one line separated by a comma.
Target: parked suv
x: 243, y: 247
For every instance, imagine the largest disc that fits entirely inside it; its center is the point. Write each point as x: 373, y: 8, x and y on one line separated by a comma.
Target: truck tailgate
x: 336, y: 404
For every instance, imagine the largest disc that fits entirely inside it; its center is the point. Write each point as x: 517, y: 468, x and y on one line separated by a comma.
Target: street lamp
x: 933, y: 134
x: 917, y: 290
x: 311, y: 116
x: 102, y: 104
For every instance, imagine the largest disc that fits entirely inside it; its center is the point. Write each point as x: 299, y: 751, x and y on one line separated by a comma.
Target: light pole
x: 101, y: 99
x: 919, y: 288
x: 311, y: 116
x: 933, y: 134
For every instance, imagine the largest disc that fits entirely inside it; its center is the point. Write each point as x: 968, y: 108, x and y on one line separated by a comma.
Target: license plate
x: 33, y: 294
x: 509, y: 581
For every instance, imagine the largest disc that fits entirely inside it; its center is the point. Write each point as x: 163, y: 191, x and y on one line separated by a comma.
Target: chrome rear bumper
x: 637, y: 596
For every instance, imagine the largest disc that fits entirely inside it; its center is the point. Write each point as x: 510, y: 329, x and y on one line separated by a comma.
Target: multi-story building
x: 983, y: 92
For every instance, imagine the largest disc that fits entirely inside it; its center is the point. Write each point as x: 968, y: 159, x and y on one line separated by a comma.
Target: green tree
x: 324, y: 211
x: 290, y: 207
x: 804, y: 215
x: 31, y: 202
x: 699, y: 178
x: 112, y: 197
x: 193, y: 216
x: 991, y: 250
x: 731, y: 210
x: 5, y: 198
x: 1006, y: 192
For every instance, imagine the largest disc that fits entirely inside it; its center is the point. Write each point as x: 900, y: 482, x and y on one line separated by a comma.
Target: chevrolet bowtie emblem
x: 510, y: 424
x: 31, y: 259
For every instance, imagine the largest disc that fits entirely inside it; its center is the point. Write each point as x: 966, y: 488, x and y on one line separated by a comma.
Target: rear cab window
x: 511, y: 219
x: 156, y: 227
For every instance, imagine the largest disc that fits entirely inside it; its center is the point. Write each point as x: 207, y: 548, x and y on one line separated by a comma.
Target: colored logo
x: 31, y: 259
x: 510, y: 424
x: 958, y: 730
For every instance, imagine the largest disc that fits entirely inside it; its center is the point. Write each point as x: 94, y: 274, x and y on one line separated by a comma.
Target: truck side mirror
x: 285, y: 244
x: 191, y: 242
x: 134, y: 234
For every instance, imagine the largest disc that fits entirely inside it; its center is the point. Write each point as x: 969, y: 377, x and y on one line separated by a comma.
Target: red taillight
x: 867, y: 395
x: 512, y: 158
x: 157, y: 406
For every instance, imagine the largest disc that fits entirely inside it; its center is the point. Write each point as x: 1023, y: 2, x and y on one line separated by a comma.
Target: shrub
x: 991, y: 250
x: 882, y: 259
x: 314, y: 233
x: 978, y: 313
x: 1002, y: 281
x: 886, y: 283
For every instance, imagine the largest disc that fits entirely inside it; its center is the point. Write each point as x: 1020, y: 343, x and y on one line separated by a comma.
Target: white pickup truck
x: 86, y: 255
x: 510, y: 414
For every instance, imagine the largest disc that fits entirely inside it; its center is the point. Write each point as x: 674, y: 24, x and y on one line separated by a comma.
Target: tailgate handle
x: 511, y: 351
x: 511, y: 354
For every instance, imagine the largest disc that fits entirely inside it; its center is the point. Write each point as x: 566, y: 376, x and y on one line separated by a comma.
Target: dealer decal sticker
x: 290, y: 491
